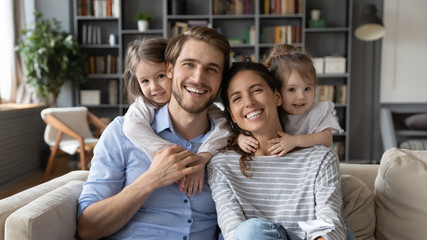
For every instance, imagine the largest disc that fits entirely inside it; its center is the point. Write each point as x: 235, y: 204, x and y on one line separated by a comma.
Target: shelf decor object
x: 143, y: 20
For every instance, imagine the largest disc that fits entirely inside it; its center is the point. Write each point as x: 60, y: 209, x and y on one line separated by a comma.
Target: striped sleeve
x: 329, y: 222
x: 228, y: 209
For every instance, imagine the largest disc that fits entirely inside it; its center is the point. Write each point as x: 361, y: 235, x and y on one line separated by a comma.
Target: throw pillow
x: 417, y: 122
x: 359, y: 207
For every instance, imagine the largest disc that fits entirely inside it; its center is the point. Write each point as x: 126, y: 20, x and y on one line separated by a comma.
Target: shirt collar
x: 162, y: 121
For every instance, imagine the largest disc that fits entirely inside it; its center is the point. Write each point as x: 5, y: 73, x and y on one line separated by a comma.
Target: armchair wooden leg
x: 83, y: 160
x: 50, y: 163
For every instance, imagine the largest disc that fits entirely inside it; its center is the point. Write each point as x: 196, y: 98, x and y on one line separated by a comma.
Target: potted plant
x: 143, y: 19
x: 52, y: 57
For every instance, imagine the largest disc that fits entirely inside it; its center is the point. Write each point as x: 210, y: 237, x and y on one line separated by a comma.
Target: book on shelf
x: 333, y: 93
x: 108, y: 64
x: 281, y: 34
x: 100, y: 64
x: 91, y: 64
x: 98, y: 8
x: 84, y: 34
x: 91, y: 34
x: 281, y: 7
x: 249, y: 32
x: 94, y: 35
x: 232, y: 7
x: 98, y: 35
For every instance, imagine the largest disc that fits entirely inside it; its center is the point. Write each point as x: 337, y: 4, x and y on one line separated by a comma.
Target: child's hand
x: 283, y: 144
x: 190, y: 183
x: 247, y: 143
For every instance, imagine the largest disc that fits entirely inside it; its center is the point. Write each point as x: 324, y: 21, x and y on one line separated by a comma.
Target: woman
x: 260, y: 196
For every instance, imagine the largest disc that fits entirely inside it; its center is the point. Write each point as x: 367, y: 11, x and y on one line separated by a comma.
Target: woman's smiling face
x: 253, y: 105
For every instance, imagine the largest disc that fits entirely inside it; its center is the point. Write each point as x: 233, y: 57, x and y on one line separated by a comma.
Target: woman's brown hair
x: 274, y: 85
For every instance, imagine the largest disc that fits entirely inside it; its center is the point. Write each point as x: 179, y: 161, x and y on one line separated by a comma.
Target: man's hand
x: 171, y: 164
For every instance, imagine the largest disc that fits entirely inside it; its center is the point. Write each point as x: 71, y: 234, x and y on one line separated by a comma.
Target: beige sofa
x: 396, y: 210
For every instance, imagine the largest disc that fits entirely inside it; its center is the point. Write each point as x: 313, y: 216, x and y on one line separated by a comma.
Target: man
x: 126, y: 195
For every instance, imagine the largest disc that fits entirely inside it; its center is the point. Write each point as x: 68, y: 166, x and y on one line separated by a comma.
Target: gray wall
x: 61, y: 10
x: 365, y: 138
x: 364, y: 130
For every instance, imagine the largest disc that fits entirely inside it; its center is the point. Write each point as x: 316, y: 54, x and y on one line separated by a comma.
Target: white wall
x: 404, y: 52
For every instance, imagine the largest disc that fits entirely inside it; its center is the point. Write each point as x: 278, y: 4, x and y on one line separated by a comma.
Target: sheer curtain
x: 7, y: 65
x: 12, y: 85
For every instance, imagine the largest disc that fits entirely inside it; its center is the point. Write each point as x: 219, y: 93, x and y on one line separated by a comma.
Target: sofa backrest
x: 365, y: 172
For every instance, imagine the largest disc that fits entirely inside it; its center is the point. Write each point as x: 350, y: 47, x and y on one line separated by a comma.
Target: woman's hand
x: 247, y: 143
x: 283, y: 144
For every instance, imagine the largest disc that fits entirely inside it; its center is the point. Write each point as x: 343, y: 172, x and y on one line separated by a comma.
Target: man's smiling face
x: 196, y: 75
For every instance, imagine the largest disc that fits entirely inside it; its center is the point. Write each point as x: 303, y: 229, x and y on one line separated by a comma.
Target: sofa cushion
x: 359, y: 207
x: 51, y: 216
x: 401, y: 196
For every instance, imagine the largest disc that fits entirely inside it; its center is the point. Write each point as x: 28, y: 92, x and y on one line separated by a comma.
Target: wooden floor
x: 61, y: 167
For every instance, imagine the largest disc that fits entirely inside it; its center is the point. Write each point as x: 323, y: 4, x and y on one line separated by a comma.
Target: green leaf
x: 52, y: 57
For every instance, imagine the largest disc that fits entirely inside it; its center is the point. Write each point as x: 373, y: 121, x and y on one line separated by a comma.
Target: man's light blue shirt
x: 167, y: 213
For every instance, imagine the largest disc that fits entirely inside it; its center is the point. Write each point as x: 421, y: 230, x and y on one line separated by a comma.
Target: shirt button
x: 185, y: 201
x: 189, y: 220
x: 185, y: 238
x: 187, y: 143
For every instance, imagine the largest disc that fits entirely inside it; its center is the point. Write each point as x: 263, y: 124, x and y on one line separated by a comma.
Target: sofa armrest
x: 11, y: 204
x: 365, y: 172
x: 49, y: 217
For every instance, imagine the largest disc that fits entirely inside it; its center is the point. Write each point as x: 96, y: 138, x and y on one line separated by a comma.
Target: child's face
x: 154, y: 83
x: 297, y: 94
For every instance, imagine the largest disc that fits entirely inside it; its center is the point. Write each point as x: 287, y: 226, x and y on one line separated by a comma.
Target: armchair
x: 67, y: 130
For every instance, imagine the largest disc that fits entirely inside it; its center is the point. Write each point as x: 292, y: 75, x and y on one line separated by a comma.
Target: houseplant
x: 52, y: 57
x: 143, y: 19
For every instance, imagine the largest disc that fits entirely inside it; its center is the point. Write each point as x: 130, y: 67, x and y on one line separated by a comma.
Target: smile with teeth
x: 195, y: 90
x: 299, y: 105
x: 253, y: 114
x: 158, y: 94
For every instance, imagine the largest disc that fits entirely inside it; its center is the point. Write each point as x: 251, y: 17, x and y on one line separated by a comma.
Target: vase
x: 315, y: 14
x: 52, y: 99
x: 142, y: 25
